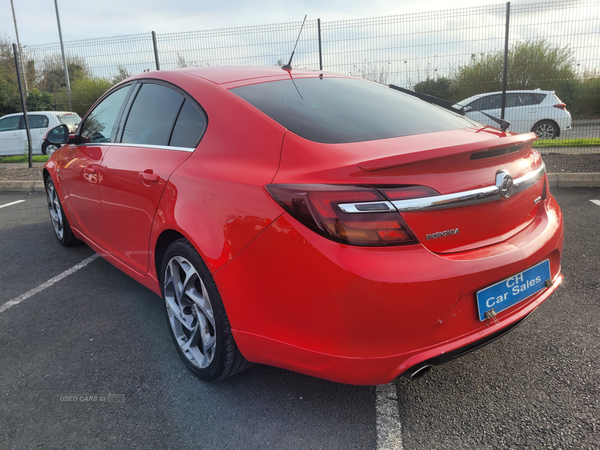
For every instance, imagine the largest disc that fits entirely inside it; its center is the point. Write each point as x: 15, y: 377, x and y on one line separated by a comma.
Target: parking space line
x: 12, y: 203
x: 595, y: 202
x: 47, y: 284
x: 387, y: 416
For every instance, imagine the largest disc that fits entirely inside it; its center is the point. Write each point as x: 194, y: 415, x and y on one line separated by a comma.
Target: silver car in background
x: 13, y: 136
x: 528, y: 110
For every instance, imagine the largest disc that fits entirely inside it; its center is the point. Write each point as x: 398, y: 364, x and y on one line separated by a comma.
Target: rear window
x: 341, y: 110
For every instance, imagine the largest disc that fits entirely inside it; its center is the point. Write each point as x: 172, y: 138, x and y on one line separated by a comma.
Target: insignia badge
x: 505, y: 183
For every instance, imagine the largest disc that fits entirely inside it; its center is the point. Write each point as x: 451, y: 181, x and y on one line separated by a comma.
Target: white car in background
x: 13, y: 136
x: 529, y: 110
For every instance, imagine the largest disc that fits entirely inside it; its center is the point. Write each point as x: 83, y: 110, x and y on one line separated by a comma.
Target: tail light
x: 560, y: 106
x: 373, y: 220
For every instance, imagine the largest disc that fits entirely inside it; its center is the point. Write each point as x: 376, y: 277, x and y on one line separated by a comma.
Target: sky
x: 36, y: 19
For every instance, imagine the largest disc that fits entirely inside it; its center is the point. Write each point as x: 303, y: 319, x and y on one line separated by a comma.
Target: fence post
x: 320, y: 51
x: 505, y: 75
x: 23, y: 105
x: 155, y: 50
x: 64, y: 59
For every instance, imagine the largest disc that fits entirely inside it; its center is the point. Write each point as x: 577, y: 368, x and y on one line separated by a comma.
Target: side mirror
x: 467, y: 109
x: 58, y: 135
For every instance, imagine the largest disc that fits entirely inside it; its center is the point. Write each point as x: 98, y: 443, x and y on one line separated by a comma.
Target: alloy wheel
x: 54, y: 207
x: 545, y: 131
x: 190, y: 312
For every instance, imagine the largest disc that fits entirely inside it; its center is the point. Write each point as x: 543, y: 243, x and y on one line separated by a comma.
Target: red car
x: 311, y: 221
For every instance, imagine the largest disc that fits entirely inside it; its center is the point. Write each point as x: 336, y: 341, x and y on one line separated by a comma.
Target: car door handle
x: 150, y: 177
x: 90, y: 170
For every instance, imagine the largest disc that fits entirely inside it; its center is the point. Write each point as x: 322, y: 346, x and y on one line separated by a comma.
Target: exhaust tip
x: 417, y: 372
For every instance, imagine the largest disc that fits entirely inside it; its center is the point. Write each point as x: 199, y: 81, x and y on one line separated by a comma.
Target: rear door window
x: 35, y: 121
x: 152, y: 115
x: 487, y: 102
x: 519, y: 99
x: 190, y: 126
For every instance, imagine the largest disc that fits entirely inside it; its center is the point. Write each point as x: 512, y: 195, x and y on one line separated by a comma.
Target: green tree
x: 122, y: 74
x: 10, y: 100
x: 9, y: 88
x: 587, y: 103
x: 441, y: 87
x: 531, y: 65
x: 39, y: 101
x: 51, y: 76
x: 84, y: 93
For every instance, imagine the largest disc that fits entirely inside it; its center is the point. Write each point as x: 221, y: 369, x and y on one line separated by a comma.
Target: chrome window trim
x: 159, y: 147
x: 465, y: 198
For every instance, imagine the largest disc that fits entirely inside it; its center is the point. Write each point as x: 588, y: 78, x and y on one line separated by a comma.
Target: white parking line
x: 12, y: 203
x: 387, y: 416
x: 595, y: 202
x: 47, y: 284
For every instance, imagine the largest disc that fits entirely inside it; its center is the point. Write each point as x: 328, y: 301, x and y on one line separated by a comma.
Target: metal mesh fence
x: 406, y: 50
x: 264, y: 45
x: 453, y: 54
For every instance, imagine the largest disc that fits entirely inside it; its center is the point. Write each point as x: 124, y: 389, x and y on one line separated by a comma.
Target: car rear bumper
x: 366, y: 315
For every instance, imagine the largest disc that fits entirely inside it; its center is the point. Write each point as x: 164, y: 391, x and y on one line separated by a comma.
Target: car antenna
x: 288, y: 66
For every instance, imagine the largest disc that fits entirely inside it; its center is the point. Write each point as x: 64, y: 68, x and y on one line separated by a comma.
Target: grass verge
x: 23, y: 159
x: 586, y: 142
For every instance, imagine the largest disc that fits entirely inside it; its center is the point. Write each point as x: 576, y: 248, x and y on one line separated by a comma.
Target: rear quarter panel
x: 217, y: 197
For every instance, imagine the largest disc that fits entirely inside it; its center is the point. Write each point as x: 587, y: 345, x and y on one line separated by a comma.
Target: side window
x: 190, y: 126
x: 36, y: 121
x: 98, y: 126
x: 152, y: 115
x: 9, y: 123
x: 538, y: 98
x: 513, y: 100
x: 520, y: 99
x: 487, y: 102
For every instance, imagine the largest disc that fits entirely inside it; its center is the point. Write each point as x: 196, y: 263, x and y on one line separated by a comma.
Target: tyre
x: 545, y: 129
x: 196, y: 316
x: 48, y: 149
x: 60, y: 224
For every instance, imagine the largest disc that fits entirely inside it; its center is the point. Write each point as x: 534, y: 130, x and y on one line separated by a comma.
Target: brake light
x: 374, y: 222
x: 560, y: 106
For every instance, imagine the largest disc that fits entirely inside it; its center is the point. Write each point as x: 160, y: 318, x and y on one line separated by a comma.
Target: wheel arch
x: 165, y: 239
x: 45, y: 175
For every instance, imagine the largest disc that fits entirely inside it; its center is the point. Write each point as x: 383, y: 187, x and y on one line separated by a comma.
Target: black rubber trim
x: 447, y: 357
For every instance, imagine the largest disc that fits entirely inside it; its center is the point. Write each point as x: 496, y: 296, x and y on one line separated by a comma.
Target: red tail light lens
x: 560, y: 106
x: 316, y: 207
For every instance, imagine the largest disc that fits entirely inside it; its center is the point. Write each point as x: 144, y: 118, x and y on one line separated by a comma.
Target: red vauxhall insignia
x: 311, y: 221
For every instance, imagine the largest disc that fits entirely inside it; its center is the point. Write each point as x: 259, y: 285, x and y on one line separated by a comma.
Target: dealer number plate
x: 513, y: 290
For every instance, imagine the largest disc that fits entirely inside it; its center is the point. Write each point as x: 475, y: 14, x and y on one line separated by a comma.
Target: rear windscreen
x: 340, y: 110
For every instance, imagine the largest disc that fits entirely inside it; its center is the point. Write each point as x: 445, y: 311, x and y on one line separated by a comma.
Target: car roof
x: 234, y: 74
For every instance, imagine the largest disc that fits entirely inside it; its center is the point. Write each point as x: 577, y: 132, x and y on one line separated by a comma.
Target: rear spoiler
x: 508, y: 144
